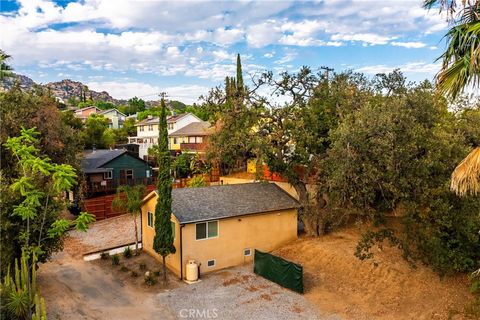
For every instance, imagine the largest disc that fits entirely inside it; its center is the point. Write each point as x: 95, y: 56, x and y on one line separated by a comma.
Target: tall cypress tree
x: 239, y: 75
x: 163, y: 240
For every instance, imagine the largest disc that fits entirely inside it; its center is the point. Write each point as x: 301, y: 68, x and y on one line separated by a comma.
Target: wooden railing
x: 109, y: 186
x: 193, y: 146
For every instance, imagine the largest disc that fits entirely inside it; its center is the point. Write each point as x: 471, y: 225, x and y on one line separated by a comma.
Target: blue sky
x: 138, y: 48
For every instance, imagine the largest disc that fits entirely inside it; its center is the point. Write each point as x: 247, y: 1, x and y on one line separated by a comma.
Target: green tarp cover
x: 285, y: 273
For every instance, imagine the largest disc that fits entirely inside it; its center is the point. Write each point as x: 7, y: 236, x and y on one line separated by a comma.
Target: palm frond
x: 466, y: 176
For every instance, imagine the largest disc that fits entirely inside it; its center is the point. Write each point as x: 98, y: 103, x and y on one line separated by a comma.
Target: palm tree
x: 466, y: 176
x: 461, y: 59
x: 5, y: 69
x: 460, y: 69
x: 129, y: 198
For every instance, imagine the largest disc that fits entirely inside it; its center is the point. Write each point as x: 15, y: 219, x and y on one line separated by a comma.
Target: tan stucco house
x: 221, y: 226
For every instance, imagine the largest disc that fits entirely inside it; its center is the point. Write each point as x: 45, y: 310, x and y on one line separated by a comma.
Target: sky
x: 144, y: 47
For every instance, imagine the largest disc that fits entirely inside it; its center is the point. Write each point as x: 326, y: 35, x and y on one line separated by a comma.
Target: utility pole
x: 162, y: 95
x: 327, y: 71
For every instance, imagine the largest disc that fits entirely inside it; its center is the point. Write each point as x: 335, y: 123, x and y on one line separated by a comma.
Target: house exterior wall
x: 148, y: 233
x: 86, y: 112
x: 264, y: 231
x: 127, y: 161
x: 116, y: 119
x: 184, y: 121
x: 148, y: 130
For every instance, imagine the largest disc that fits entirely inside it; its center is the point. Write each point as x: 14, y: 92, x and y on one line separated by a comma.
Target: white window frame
x: 148, y: 220
x: 249, y: 252
x: 142, y: 128
x: 126, y: 173
x: 110, y: 172
x: 199, y: 139
x: 206, y: 230
x: 214, y: 263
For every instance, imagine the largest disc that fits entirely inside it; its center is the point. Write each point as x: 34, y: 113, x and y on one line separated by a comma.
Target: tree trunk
x: 307, y: 213
x: 136, y: 233
x: 164, y: 271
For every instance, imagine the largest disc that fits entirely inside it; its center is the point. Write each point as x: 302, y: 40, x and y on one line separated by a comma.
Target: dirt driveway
x: 77, y: 289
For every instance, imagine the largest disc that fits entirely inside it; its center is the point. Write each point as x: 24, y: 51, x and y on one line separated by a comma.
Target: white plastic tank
x: 191, y: 271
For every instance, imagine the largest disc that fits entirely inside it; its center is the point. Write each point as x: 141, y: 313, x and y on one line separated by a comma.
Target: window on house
x: 206, y: 230
x: 147, y: 173
x: 108, y: 175
x: 191, y: 139
x: 211, y: 263
x: 170, y: 126
x: 129, y: 174
x: 199, y: 139
x: 247, y: 252
x: 150, y: 219
x: 142, y: 128
x: 150, y: 127
x: 174, y: 140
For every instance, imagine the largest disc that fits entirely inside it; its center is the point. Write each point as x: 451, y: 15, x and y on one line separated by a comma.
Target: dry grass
x: 466, y: 176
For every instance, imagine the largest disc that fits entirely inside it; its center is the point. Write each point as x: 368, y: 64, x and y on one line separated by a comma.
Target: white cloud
x: 290, y: 55
x: 125, y: 90
x: 366, y: 38
x: 409, y: 45
x: 411, y: 67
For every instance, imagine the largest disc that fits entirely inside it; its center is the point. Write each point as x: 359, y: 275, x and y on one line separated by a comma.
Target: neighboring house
x: 105, y: 170
x: 191, y: 138
x: 84, y: 113
x: 221, y: 226
x: 116, y: 118
x: 147, y: 130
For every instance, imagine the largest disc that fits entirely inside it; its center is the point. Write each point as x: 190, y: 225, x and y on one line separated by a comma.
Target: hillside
x: 339, y: 283
x: 66, y: 89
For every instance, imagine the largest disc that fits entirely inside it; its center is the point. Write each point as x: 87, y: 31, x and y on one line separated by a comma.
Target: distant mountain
x: 63, y: 90
x: 66, y: 89
x: 25, y: 82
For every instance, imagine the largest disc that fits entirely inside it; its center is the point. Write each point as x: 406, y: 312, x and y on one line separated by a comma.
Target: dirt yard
x: 337, y: 282
x: 77, y: 289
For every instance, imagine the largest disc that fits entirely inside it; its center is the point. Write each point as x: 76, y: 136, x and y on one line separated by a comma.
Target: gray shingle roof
x: 96, y: 159
x: 217, y: 202
x: 194, y: 129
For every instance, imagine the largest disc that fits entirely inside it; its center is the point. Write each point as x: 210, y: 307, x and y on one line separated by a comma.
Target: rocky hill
x: 63, y: 90
x: 67, y: 89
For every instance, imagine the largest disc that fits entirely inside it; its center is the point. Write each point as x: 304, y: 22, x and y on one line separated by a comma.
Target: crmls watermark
x: 198, y: 313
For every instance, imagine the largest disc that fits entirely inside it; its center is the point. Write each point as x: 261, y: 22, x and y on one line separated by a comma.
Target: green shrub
x: 142, y: 266
x: 127, y: 253
x: 104, y: 255
x: 149, y: 279
x: 196, y: 182
x: 133, y: 274
x: 123, y: 268
x: 115, y: 260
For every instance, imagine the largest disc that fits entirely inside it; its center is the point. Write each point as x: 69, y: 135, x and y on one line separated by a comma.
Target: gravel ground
x: 108, y: 233
x: 237, y: 293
